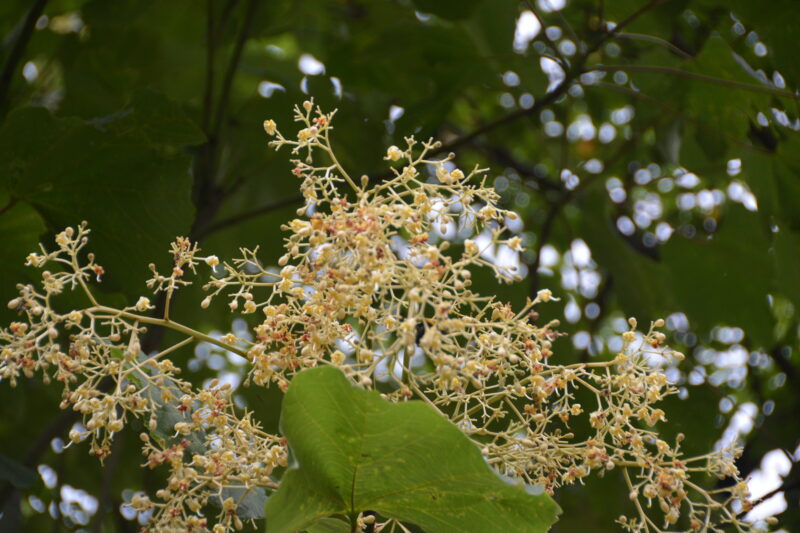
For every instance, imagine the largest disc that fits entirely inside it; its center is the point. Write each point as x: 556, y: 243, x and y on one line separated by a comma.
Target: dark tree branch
x: 207, y: 194
x: 627, y: 21
x: 17, y: 51
x: 538, y: 105
x: 208, y: 95
x: 233, y: 66
x: 561, y: 59
x: 786, y: 486
x: 785, y: 365
x: 505, y: 158
x: 549, y: 98
x: 11, y: 203
x: 241, y: 217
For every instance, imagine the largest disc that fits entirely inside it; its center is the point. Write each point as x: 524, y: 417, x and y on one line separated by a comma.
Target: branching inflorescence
x: 364, y: 287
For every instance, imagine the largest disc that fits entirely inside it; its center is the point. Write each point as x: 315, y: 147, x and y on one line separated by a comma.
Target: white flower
x: 143, y: 304
x: 394, y: 153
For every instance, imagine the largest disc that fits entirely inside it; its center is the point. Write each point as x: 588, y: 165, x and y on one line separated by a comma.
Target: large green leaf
x: 134, y: 196
x: 777, y: 27
x: 725, y: 278
x: 158, y: 121
x: 20, y: 228
x: 356, y: 452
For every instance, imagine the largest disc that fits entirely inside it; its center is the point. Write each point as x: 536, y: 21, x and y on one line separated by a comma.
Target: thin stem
x: 655, y: 69
x: 635, y: 15
x: 160, y: 354
x: 785, y: 487
x: 639, y: 509
x: 671, y: 111
x: 327, y: 147
x: 567, y: 26
x: 168, y: 324
x: 167, y: 301
x: 655, y: 40
x: 82, y: 283
x: 505, y: 158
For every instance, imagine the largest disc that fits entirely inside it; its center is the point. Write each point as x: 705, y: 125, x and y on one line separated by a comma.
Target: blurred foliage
x: 661, y: 135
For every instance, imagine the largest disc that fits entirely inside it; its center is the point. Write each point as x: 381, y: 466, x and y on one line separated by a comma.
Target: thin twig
x: 11, y: 203
x: 505, y: 158
x: 655, y: 69
x: 655, y: 40
x: 561, y: 59
x: 564, y: 22
x: 557, y: 92
x: 246, y: 215
x: 785, y: 487
x: 635, y: 15
x: 538, y: 105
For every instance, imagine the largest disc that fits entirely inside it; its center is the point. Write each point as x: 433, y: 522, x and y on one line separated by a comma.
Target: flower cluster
x: 369, y: 285
x: 214, y: 454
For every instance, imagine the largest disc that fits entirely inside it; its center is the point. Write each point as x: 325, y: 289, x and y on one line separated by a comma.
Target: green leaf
x: 357, y: 452
x: 776, y: 25
x: 135, y: 198
x: 16, y: 473
x: 329, y: 525
x: 158, y: 120
x: 20, y: 228
x: 725, y: 279
x: 726, y: 110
